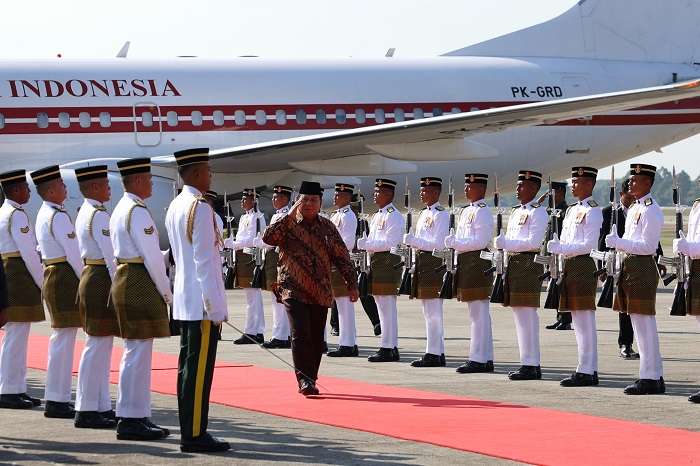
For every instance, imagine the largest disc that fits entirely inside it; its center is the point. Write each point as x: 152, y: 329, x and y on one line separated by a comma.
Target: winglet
x: 125, y: 49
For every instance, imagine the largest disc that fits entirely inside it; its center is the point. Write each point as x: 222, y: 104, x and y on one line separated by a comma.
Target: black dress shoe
x: 93, y: 420
x: 377, y: 329
x: 308, y: 388
x: 136, y: 429
x: 385, y: 355
x: 695, y: 397
x: 335, y: 331
x: 471, y: 367
x: 249, y: 339
x: 344, y: 352
x: 526, y: 373
x: 151, y: 424
x: 662, y: 385
x: 203, y: 444
x: 55, y: 409
x: 627, y: 352
x: 579, y: 379
x: 34, y: 401
x: 277, y: 343
x: 14, y: 402
x: 563, y: 326
x: 325, y: 347
x: 109, y: 414
x: 553, y: 326
x: 430, y: 360
x: 644, y: 387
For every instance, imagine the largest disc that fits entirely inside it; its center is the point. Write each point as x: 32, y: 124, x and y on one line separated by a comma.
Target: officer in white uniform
x: 61, y: 254
x: 345, y: 221
x: 199, y: 300
x: 25, y: 276
x: 250, y: 226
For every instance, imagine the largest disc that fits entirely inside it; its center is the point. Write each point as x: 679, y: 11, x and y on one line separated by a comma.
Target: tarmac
x: 27, y: 438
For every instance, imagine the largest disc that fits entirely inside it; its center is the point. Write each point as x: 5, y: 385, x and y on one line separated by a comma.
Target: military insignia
x: 149, y: 231
x: 648, y: 202
x: 592, y: 203
x: 428, y: 222
x: 279, y: 189
x: 380, y: 225
x: 535, y: 205
x: 527, y: 175
x: 139, y: 203
x: 638, y: 169
x: 105, y: 232
x: 470, y: 217
x: 391, y: 209
x: 439, y: 208
x: 25, y: 229
x: 336, y: 220
x: 345, y: 210
x: 523, y: 218
x: 580, y: 216
x: 580, y: 171
x: 471, y: 178
x: 71, y: 235
x: 379, y: 183
x: 481, y: 204
x: 427, y: 181
x: 637, y: 216
x: 342, y: 187
x: 100, y: 208
x: 206, y: 302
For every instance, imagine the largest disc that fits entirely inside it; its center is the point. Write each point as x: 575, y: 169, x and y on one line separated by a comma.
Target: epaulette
x: 439, y: 208
x: 516, y: 207
x: 648, y: 202
x: 100, y: 208
x: 58, y: 209
x: 481, y: 204
x: 697, y: 201
x: 390, y: 209
x: 535, y: 205
x: 572, y: 205
x: 140, y: 204
x: 345, y: 210
x: 423, y: 209
x: 592, y: 203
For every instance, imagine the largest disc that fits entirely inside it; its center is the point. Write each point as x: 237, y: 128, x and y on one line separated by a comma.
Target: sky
x: 278, y: 28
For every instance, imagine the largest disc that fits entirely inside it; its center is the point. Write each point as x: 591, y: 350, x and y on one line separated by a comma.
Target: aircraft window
x: 418, y: 113
x: 340, y: 116
x: 2, y: 121
x: 105, y: 119
x: 146, y: 119
x: 474, y: 109
x: 321, y: 117
x: 437, y: 112
x: 260, y: 117
x: 218, y: 118
x: 379, y: 116
x: 172, y: 118
x: 281, y: 117
x: 239, y: 115
x: 84, y: 118
x: 399, y: 114
x: 360, y: 116
x: 301, y: 117
x: 197, y: 118
x: 456, y: 110
x: 63, y: 120
x: 42, y: 120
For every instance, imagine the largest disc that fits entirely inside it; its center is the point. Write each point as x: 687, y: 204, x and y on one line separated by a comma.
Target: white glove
x: 258, y: 242
x: 450, y: 239
x: 553, y: 245
x: 500, y: 241
x: 611, y: 239
x: 680, y: 245
x: 362, y: 242
x: 408, y: 237
x: 231, y: 243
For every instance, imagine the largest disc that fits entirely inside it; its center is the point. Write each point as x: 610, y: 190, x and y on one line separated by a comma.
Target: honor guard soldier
x: 474, y: 233
x: 92, y: 399
x: 563, y: 321
x: 385, y: 231
x: 345, y: 221
x: 210, y: 196
x: 25, y: 277
x: 199, y: 300
x: 639, y: 276
x: 579, y: 235
x: 63, y: 267
x: 281, y: 337
x: 250, y: 226
x: 431, y: 229
x: 140, y: 295
x: 521, y: 288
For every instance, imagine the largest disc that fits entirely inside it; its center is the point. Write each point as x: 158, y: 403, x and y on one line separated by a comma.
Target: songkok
x: 211, y: 195
x: 250, y: 192
x: 13, y: 177
x: 527, y: 175
x: 279, y: 189
x: 134, y: 166
x: 310, y: 187
x: 589, y: 172
x: 428, y: 181
x: 190, y: 156
x: 46, y: 174
x: 559, y: 185
x: 385, y: 183
x: 91, y: 173
x: 476, y: 178
x: 354, y: 200
x: 642, y: 169
x: 344, y: 188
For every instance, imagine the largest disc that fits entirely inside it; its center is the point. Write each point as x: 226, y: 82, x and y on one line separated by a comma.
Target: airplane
x: 603, y: 82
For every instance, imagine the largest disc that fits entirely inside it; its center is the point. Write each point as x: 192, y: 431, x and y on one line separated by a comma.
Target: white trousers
x: 346, y: 321
x: 587, y: 341
x: 255, y: 313
x: 481, y: 346
x: 432, y: 312
x: 697, y: 318
x: 527, y: 326
x: 650, y: 365
x: 388, y: 318
x: 13, y: 358
x: 92, y: 392
x: 59, y: 368
x: 134, y: 395
x: 280, y: 321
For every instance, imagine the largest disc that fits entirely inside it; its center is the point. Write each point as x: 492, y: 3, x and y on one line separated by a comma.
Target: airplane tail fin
x: 635, y: 30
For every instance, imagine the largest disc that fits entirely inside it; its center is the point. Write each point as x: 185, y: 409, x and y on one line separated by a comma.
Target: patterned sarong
x: 271, y: 260
x: 522, y: 287
x: 577, y: 289
x: 96, y: 308
x: 384, y: 279
x: 426, y: 281
x: 692, y: 295
x: 141, y: 311
x: 338, y: 284
x: 472, y: 284
x: 636, y: 288
x: 244, y: 273
x: 60, y: 292
x: 24, y: 295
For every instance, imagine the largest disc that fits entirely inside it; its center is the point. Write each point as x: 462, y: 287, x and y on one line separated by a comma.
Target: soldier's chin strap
x: 296, y: 371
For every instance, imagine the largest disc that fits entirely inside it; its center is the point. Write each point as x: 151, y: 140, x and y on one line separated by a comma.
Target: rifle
x: 228, y: 253
x: 497, y: 257
x: 554, y: 263
x: 609, y: 258
x: 361, y: 257
x: 680, y: 262
x: 404, y: 250
x: 448, y: 254
x: 255, y: 251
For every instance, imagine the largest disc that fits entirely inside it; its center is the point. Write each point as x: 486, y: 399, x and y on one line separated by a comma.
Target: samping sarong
x: 577, y: 289
x: 338, y: 284
x: 472, y: 284
x: 95, y: 304
x: 636, y: 288
x: 244, y: 272
x: 522, y: 287
x: 23, y: 294
x: 271, y: 260
x: 60, y: 291
x: 426, y: 281
x: 692, y: 294
x: 384, y: 279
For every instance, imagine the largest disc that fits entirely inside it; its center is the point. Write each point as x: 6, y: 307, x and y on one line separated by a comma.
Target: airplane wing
x: 402, y: 141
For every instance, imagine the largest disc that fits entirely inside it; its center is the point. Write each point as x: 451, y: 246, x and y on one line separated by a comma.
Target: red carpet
x: 520, y: 433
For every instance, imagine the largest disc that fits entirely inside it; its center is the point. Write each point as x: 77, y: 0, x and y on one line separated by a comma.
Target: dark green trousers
x: 198, y: 342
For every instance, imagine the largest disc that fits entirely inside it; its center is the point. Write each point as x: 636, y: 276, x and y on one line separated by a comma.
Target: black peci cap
x: 13, y: 177
x: 430, y: 181
x: 528, y: 175
x: 91, y: 173
x: 191, y: 156
x: 46, y: 174
x: 134, y: 166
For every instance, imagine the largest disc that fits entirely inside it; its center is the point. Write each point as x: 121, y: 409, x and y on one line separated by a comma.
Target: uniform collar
x: 478, y: 202
x: 51, y: 204
x: 191, y: 189
x: 14, y: 204
x: 92, y: 202
x: 585, y: 200
x: 434, y: 206
x: 643, y: 198
x: 528, y: 204
x: 386, y: 207
x: 133, y: 197
x: 283, y: 210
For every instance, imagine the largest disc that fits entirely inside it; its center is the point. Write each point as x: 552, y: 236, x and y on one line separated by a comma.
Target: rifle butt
x: 406, y: 283
x: 497, y: 296
x: 607, y: 295
x: 678, y: 306
x: 362, y: 284
x: 553, y: 294
x: 447, y: 291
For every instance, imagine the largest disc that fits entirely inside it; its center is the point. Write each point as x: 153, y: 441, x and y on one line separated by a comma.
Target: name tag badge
x: 523, y: 218
x: 580, y: 216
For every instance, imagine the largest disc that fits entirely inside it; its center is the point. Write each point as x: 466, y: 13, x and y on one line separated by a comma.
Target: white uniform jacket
x: 345, y: 221
x: 385, y: 230
x: 92, y: 228
x: 56, y: 235
x: 526, y: 228
x: 642, y: 227
x: 581, y: 228
x: 474, y: 227
x: 17, y: 235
